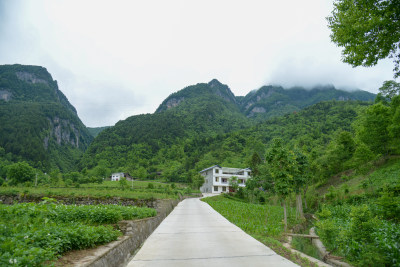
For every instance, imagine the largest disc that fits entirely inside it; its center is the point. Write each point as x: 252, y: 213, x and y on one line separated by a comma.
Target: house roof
x: 236, y: 169
x: 209, y: 168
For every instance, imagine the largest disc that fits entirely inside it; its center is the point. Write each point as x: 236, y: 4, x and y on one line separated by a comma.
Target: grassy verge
x: 34, y: 234
x: 263, y: 222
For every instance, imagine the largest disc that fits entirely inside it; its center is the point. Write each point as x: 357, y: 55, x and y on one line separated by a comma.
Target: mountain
x: 207, y: 124
x: 201, y: 110
x: 37, y: 122
x: 95, y: 131
x: 213, y: 88
x: 272, y: 101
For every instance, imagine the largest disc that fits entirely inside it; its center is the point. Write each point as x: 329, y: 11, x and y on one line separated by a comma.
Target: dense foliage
x: 37, y: 123
x: 32, y: 234
x: 368, y: 30
x: 273, y: 101
x: 181, y: 153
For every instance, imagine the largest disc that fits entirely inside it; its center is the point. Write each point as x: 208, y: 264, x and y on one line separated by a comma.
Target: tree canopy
x: 368, y: 30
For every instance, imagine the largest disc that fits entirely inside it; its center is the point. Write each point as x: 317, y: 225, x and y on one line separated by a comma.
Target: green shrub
x: 150, y: 186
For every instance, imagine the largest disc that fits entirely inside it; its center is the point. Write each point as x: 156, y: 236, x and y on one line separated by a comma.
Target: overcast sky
x: 114, y: 59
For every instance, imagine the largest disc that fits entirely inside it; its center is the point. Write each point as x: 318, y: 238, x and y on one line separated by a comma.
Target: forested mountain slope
x: 37, y: 122
x: 272, y: 101
x: 197, y: 112
x: 182, y: 140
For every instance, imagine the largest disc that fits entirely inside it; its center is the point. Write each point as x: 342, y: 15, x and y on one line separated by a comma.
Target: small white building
x: 118, y: 175
x: 216, y: 178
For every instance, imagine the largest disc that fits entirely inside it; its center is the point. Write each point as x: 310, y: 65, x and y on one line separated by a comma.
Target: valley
x: 337, y: 152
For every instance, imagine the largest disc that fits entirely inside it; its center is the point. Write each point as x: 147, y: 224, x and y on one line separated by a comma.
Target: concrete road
x: 196, y: 235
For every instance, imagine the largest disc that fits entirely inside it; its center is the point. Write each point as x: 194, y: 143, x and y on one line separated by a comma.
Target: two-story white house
x: 216, y: 178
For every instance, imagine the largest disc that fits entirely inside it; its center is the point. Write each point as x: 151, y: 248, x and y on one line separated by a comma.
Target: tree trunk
x: 284, y: 215
x: 299, y: 206
x: 305, y: 199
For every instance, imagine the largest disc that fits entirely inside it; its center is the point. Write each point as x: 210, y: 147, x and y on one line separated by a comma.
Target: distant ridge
x: 268, y: 101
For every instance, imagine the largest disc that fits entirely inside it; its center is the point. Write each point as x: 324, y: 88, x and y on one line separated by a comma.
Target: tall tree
x: 373, y: 130
x: 254, y: 163
x: 368, y: 30
x: 282, y: 165
x: 300, y: 179
x: 390, y: 89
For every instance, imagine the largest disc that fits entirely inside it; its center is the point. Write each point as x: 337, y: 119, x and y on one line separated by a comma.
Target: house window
x: 216, y: 188
x: 224, y: 189
x: 216, y: 179
x: 224, y: 180
x: 241, y: 181
x: 216, y: 171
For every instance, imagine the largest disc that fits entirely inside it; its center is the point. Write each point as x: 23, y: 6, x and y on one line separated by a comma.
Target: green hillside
x: 37, y: 123
x: 183, y: 140
x: 95, y: 131
x: 156, y: 141
x: 273, y: 101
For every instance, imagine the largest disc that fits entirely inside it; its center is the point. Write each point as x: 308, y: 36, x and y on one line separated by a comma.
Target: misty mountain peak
x: 214, y: 83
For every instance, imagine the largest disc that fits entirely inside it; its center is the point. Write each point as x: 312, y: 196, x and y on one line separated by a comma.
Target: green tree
x: 255, y: 161
x: 390, y: 89
x: 20, y: 172
x: 197, y: 180
x: 300, y: 180
x: 233, y: 183
x: 123, y: 184
x: 282, y: 165
x: 373, y: 129
x: 368, y: 30
x: 139, y: 172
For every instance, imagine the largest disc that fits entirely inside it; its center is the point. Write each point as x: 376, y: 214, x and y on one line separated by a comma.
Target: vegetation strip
x: 34, y: 234
x: 263, y: 222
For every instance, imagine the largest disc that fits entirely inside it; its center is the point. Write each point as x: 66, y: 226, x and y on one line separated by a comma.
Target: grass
x: 253, y: 218
x: 304, y: 245
x: 263, y: 222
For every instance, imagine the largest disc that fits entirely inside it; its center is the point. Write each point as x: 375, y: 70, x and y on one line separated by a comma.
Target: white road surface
x: 194, y: 234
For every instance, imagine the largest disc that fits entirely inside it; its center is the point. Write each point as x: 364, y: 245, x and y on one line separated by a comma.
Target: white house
x: 216, y: 178
x: 118, y: 175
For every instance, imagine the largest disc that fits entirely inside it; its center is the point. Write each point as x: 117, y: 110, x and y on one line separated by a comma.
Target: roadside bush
x: 357, y: 233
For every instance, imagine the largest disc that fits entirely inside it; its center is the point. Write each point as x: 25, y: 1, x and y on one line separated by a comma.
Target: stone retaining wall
x: 118, y: 253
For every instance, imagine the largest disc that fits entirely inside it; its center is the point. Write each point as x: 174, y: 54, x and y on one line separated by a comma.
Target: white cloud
x: 135, y: 53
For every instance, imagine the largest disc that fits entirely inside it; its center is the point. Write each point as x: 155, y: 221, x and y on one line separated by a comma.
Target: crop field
x: 136, y: 185
x: 35, y: 234
x: 91, y: 192
x: 254, y: 219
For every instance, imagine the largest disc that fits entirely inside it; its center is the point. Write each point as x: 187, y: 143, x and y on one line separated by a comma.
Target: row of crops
x: 87, y: 192
x: 35, y: 234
